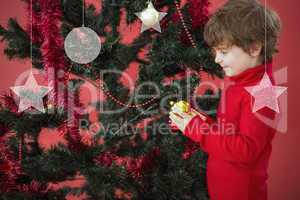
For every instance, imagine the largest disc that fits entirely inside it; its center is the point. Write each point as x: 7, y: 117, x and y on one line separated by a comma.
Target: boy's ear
x: 255, y: 49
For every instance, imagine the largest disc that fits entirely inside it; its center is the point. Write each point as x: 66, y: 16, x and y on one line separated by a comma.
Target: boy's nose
x: 218, y: 58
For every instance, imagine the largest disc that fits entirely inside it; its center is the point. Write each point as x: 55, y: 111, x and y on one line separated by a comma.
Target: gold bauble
x: 183, y: 106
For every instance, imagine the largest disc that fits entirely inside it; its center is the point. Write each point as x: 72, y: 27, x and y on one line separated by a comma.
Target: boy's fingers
x: 175, y: 119
x: 177, y: 110
x: 172, y: 117
x: 186, y: 114
x: 175, y: 122
x: 176, y: 114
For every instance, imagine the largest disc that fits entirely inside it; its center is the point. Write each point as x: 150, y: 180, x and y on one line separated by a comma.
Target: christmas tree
x: 139, y: 159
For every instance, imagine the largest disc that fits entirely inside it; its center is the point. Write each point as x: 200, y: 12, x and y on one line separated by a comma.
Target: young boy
x: 243, y: 35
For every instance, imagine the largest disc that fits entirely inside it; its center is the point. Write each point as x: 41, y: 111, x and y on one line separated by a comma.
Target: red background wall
x: 284, y: 171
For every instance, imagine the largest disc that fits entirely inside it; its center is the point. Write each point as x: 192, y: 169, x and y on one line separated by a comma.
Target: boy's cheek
x: 229, y: 71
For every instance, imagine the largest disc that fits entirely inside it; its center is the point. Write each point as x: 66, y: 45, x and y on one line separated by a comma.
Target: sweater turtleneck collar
x: 253, y: 74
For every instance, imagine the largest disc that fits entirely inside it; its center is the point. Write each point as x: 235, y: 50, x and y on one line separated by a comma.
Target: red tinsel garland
x: 52, y: 47
x: 53, y: 54
x: 73, y: 136
x: 198, y: 10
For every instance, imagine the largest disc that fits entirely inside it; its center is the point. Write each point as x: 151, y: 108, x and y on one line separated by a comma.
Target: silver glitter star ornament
x: 150, y: 18
x: 265, y: 94
x: 31, y: 94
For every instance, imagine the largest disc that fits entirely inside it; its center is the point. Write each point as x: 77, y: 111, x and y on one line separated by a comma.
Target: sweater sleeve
x: 242, y: 144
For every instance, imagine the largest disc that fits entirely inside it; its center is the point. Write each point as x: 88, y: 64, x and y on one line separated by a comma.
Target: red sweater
x: 239, y: 148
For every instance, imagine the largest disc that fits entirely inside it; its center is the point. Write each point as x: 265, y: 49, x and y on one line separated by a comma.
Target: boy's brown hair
x: 244, y: 23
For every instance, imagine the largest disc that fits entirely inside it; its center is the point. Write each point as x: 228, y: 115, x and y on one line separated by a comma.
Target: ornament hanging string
x: 31, y: 25
x: 83, y: 12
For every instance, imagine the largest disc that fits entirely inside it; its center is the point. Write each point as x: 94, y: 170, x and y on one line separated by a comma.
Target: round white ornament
x: 82, y: 45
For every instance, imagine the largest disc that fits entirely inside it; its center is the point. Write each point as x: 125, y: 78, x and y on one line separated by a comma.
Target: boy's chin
x: 229, y: 72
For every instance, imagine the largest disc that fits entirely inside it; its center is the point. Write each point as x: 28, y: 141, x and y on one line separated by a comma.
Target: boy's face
x: 234, y: 60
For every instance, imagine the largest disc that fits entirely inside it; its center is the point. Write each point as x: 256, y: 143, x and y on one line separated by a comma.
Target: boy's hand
x: 181, y: 119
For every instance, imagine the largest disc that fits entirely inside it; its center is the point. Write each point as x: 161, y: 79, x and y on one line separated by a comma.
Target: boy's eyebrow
x: 220, y: 48
x: 223, y: 45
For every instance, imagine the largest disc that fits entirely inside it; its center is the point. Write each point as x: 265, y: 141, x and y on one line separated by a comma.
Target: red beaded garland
x: 20, y: 150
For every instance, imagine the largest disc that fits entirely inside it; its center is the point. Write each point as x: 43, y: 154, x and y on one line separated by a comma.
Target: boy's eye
x: 223, y: 52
